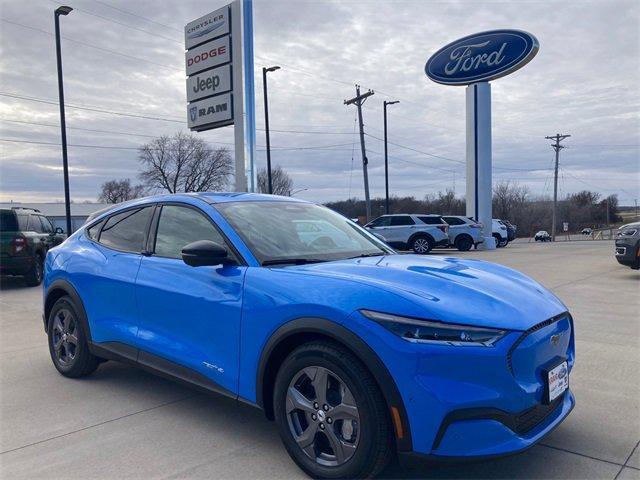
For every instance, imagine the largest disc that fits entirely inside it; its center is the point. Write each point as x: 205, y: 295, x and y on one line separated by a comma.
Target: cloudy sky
x: 127, y: 57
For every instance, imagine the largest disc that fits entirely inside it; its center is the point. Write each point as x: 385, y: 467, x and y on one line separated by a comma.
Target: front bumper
x: 627, y: 253
x: 468, y: 402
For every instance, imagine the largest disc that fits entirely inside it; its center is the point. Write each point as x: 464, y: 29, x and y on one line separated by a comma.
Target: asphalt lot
x: 125, y: 423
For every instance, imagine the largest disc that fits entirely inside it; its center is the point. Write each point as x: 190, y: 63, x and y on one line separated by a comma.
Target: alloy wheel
x: 65, y: 337
x: 322, y: 415
x: 421, y: 245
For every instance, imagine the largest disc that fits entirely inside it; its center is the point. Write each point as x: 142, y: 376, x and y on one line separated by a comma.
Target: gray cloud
x: 585, y: 81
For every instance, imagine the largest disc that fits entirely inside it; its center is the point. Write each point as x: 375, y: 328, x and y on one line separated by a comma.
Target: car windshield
x: 292, y: 232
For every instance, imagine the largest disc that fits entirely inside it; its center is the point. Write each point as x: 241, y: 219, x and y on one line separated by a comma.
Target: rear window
x: 431, y: 220
x: 8, y: 221
x: 127, y: 230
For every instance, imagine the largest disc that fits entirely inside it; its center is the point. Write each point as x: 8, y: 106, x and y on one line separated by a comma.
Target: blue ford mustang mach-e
x: 356, y: 352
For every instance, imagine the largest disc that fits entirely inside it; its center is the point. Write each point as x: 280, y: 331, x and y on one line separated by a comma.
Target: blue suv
x: 356, y: 352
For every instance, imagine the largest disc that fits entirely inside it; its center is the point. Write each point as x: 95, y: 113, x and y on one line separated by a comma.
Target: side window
x: 381, y: 222
x: 453, y: 221
x: 93, y: 230
x: 34, y: 224
x: 126, y: 231
x: 431, y: 220
x: 402, y: 221
x: 46, y: 225
x: 179, y: 226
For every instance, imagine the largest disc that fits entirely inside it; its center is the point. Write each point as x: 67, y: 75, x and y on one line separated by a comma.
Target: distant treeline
x: 511, y: 201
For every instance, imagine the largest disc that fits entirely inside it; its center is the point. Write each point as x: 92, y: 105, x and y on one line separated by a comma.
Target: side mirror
x: 205, y: 253
x: 59, y: 230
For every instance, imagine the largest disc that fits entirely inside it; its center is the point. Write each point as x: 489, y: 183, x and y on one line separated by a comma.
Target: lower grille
x: 533, y: 417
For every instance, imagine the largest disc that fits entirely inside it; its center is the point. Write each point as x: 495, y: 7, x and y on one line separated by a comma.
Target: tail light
x: 18, y: 244
x: 476, y: 225
x: 444, y: 228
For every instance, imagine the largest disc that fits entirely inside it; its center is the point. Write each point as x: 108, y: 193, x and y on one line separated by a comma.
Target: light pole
x: 63, y: 127
x: 265, y: 70
x: 291, y: 194
x: 386, y: 158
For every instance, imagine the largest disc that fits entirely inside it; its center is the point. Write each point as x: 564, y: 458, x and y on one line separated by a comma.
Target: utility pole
x: 556, y: 146
x: 266, y: 124
x: 359, y: 100
x: 386, y: 158
x: 63, y: 10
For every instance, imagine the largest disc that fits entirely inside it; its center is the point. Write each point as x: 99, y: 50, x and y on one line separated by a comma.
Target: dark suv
x: 25, y: 237
x: 628, y: 245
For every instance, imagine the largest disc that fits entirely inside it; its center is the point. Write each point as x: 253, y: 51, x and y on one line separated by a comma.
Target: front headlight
x: 426, y: 331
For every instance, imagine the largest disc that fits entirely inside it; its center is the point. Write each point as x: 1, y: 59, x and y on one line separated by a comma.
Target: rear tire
x: 68, y: 344
x: 354, y: 418
x: 421, y: 244
x: 463, y: 243
x: 33, y: 278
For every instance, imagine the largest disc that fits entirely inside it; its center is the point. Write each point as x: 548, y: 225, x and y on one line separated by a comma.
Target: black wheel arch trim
x: 342, y: 335
x: 420, y: 234
x: 69, y: 290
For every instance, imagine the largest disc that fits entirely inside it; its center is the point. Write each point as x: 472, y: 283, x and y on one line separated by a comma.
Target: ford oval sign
x: 482, y: 57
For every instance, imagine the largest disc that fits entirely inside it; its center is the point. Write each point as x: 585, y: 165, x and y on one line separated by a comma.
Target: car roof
x: 209, y: 197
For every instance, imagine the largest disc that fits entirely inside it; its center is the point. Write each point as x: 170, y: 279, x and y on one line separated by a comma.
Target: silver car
x: 464, y: 233
x: 416, y: 232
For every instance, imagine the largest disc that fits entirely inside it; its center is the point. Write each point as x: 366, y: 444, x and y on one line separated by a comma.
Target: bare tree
x: 116, y: 191
x: 280, y: 179
x: 184, y: 163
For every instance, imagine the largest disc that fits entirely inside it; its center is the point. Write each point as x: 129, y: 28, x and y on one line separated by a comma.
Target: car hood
x: 451, y: 289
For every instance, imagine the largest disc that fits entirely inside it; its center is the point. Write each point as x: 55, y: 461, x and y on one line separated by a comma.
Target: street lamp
x: 386, y: 157
x: 63, y: 10
x: 291, y: 194
x: 266, y: 122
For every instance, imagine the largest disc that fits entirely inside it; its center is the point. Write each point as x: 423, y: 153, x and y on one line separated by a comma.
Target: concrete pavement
x: 125, y: 423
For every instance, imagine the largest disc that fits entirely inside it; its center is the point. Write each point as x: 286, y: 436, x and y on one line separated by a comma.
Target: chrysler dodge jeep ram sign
x: 208, y: 65
x: 482, y: 57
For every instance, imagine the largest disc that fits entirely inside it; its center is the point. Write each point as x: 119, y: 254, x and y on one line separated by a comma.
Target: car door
x: 401, y: 228
x: 380, y: 226
x: 456, y: 227
x: 47, y: 228
x: 105, y: 276
x: 189, y: 316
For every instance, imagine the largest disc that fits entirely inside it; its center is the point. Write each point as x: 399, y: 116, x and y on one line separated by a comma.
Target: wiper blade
x: 292, y: 261
x: 365, y: 255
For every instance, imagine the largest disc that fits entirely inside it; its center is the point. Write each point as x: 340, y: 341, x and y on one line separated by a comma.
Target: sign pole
x: 249, y: 92
x: 238, y: 91
x: 479, y: 188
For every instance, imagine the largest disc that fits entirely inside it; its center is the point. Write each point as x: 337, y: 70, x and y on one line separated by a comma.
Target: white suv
x: 464, y: 233
x: 416, y: 232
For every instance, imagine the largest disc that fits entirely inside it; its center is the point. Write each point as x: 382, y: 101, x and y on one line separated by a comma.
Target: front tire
x: 330, y: 413
x: 68, y: 341
x: 421, y: 244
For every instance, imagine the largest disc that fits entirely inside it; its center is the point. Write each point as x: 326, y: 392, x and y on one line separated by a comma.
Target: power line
x: 78, y: 128
x: 123, y: 24
x: 418, y: 151
x: 102, y: 49
x: 137, y: 16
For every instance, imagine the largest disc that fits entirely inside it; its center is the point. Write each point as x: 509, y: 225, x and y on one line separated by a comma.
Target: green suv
x: 25, y: 237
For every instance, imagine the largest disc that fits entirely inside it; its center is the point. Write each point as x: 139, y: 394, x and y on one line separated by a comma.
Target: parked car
x: 628, y: 245
x: 25, y: 237
x: 416, y: 232
x: 356, y: 352
x: 464, y: 233
x: 586, y: 231
x: 542, y: 236
x: 511, y: 230
x: 500, y: 233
